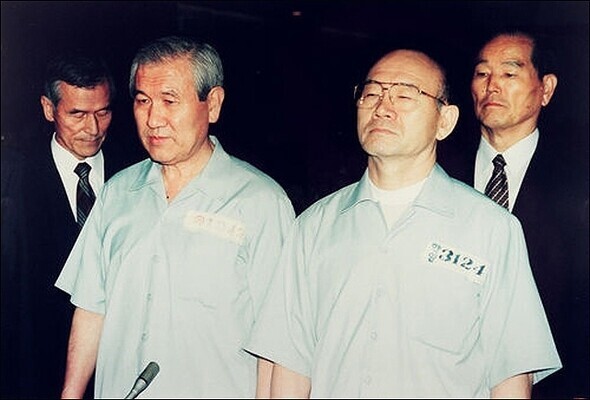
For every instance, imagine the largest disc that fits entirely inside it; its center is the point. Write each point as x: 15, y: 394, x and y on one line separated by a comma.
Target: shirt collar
x: 517, y: 156
x: 436, y: 194
x: 215, y: 177
x: 66, y: 162
x: 212, y: 181
x: 361, y: 192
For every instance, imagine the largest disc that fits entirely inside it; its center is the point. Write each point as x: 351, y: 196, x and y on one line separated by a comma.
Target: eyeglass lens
x: 399, y: 94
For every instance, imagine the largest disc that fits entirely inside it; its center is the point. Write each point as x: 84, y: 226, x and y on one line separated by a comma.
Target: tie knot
x: 499, y: 161
x: 82, y: 170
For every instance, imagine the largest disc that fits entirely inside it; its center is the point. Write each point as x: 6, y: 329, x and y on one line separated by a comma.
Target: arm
x: 289, y: 384
x: 82, y: 352
x: 516, y: 387
x: 264, y: 377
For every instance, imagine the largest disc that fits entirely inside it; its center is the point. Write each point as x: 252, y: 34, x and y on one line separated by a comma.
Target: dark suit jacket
x: 14, y: 256
x: 34, y: 357
x: 552, y: 206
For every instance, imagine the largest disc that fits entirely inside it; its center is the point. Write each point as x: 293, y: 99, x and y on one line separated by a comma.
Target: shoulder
x: 474, y: 208
x: 328, y: 207
x: 130, y: 174
x: 252, y: 180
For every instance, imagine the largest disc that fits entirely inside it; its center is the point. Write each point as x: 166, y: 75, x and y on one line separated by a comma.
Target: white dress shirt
x: 517, y: 157
x: 66, y: 163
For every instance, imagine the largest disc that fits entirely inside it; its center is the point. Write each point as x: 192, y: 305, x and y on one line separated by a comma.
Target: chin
x: 158, y: 156
x: 89, y: 153
x: 493, y: 123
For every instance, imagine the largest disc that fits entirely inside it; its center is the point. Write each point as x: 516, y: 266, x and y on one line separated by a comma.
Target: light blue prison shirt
x: 180, y: 284
x: 441, y: 305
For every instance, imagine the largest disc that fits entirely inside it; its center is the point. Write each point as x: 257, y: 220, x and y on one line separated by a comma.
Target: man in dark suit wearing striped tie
x: 520, y: 167
x: 60, y: 178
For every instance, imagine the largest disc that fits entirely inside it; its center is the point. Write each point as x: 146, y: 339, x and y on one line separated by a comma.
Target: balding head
x: 411, y: 66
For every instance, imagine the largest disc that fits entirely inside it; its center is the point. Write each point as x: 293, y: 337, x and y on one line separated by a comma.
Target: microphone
x: 144, y: 379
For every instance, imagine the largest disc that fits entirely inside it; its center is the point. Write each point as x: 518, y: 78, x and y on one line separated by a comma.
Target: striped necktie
x: 84, y: 193
x: 497, y: 187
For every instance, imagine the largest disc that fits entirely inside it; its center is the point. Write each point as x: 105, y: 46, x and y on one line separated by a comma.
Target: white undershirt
x: 66, y: 163
x: 517, y: 157
x: 394, y: 202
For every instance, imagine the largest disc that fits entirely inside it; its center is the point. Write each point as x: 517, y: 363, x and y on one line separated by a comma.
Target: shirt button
x: 367, y: 380
x: 144, y: 336
x: 149, y: 296
x: 373, y: 335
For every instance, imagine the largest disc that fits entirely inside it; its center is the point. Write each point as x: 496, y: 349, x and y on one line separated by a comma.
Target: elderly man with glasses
x: 407, y: 283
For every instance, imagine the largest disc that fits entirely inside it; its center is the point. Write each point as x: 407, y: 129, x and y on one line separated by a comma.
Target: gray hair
x: 206, y: 65
x: 77, y: 69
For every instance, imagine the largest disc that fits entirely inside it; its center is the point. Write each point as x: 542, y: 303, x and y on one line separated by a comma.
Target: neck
x: 177, y: 175
x: 503, y: 139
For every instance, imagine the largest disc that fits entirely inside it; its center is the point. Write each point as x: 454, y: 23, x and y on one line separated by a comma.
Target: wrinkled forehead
x: 407, y: 66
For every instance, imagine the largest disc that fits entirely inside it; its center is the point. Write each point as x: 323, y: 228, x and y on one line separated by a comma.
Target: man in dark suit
x: 522, y: 170
x: 45, y: 205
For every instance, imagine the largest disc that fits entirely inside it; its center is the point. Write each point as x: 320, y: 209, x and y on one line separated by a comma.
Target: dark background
x: 290, y: 70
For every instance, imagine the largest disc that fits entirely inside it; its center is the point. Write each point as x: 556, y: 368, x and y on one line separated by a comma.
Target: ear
x: 449, y: 115
x: 549, y: 85
x: 214, y: 102
x: 48, y: 108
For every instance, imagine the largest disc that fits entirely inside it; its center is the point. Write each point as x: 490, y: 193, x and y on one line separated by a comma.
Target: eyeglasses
x: 403, y: 95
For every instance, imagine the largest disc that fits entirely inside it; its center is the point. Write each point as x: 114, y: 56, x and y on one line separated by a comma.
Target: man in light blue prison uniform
x: 177, y: 255
x: 408, y: 283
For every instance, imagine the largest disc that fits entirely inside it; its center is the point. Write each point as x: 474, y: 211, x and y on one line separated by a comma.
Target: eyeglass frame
x: 392, y: 84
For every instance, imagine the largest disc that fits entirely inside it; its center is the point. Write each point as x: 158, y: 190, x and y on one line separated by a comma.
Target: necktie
x: 497, y: 187
x: 84, y: 194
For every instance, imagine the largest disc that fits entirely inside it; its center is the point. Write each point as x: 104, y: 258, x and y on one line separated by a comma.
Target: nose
x: 91, y: 124
x: 155, y: 117
x: 492, y: 84
x: 384, y: 108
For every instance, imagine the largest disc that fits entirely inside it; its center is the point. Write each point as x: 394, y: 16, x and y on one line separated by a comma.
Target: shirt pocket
x: 210, y: 271
x: 442, y: 309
